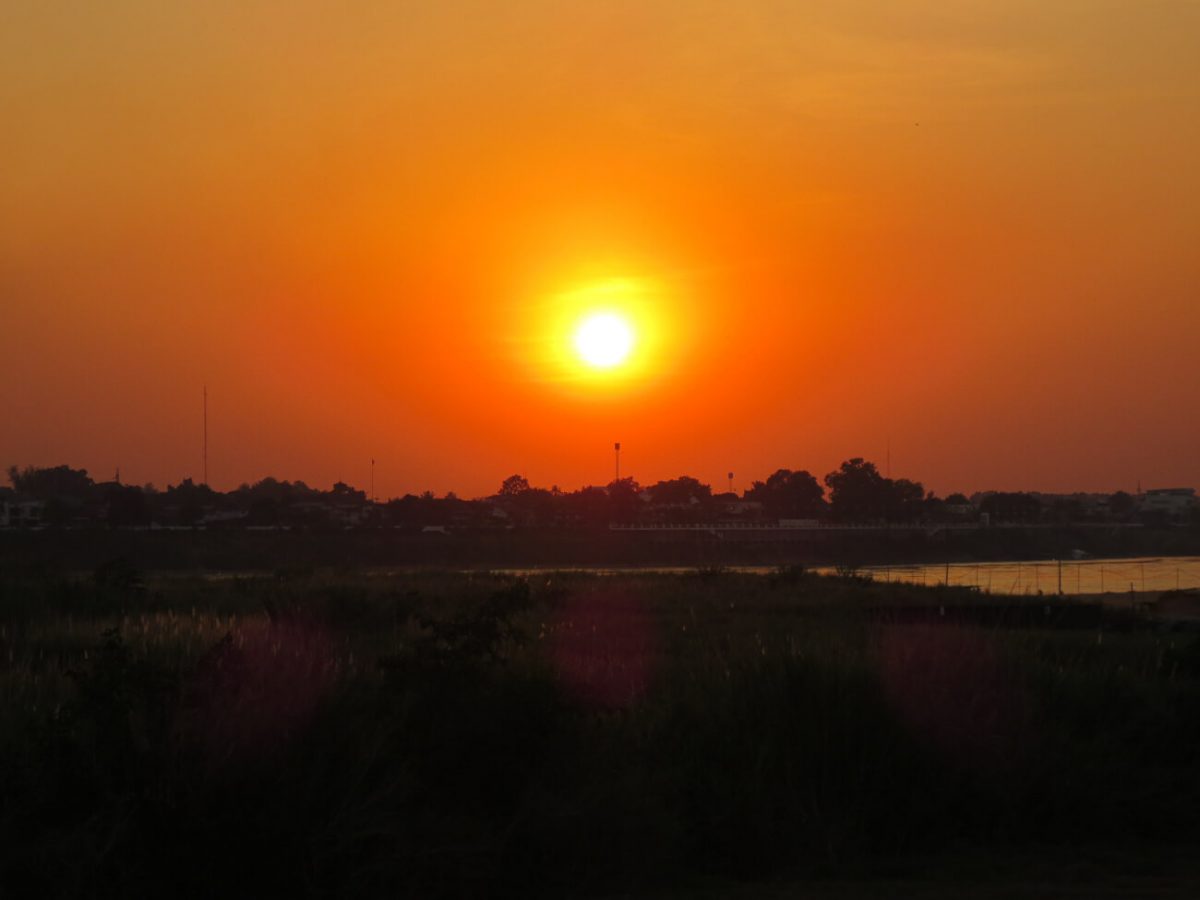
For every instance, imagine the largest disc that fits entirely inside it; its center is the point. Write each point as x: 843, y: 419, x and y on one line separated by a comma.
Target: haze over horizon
x: 965, y: 231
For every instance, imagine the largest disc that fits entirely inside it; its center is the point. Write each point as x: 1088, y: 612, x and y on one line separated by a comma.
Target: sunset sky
x: 967, y: 230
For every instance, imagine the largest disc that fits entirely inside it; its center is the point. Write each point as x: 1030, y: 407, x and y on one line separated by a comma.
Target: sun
x: 600, y: 338
x: 604, y: 340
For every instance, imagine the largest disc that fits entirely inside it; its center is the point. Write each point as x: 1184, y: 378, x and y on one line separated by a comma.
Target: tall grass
x: 470, y: 735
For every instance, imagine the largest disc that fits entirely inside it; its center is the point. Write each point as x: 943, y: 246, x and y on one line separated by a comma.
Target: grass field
x: 334, y: 734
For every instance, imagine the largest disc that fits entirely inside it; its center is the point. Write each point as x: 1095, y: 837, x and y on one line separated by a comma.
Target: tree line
x: 856, y: 493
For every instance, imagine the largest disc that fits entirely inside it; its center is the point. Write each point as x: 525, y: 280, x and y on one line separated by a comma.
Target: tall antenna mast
x: 206, y: 435
x: 617, y: 451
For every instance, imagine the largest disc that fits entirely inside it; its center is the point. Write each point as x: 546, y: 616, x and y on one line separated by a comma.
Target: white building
x: 1175, y: 503
x: 22, y: 513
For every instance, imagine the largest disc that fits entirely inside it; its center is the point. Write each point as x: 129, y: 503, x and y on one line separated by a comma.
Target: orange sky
x: 969, y: 229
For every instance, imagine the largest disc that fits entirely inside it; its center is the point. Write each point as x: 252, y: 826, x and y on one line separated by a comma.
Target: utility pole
x: 372, y: 479
x: 617, y: 451
x: 731, y: 482
x: 206, y: 435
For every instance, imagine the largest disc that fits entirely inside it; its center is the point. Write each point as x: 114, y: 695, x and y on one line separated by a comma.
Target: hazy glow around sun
x: 604, y: 340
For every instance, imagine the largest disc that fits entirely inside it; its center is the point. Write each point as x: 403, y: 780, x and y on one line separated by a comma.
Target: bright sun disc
x: 603, y: 340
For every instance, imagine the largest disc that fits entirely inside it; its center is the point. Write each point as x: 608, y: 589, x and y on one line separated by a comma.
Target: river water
x: 1089, y: 576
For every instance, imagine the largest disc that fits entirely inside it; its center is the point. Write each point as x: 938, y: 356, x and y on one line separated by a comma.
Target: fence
x: 1092, y: 576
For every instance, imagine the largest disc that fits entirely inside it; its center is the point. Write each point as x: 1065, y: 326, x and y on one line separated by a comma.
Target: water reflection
x: 1071, y: 577
x: 1091, y: 576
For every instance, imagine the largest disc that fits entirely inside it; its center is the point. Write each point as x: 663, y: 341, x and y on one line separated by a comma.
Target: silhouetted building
x: 739, y: 508
x: 1173, y: 503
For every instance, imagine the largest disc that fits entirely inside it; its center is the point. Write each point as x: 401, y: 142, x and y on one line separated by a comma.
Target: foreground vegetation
x: 475, y: 735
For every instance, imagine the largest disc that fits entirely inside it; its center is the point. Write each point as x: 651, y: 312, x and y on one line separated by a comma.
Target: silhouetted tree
x: 513, y: 485
x: 404, y: 510
x: 1011, y: 507
x: 434, y: 510
x: 789, y: 495
x: 681, y: 491
x: 191, y: 499
x: 933, y: 508
x: 56, y: 483
x: 533, y: 507
x: 624, y: 500
x: 344, y: 493
x: 857, y: 492
x: 588, y: 506
x: 905, y: 500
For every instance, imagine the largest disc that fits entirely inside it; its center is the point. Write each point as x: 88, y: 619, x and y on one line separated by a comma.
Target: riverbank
x: 243, y: 550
